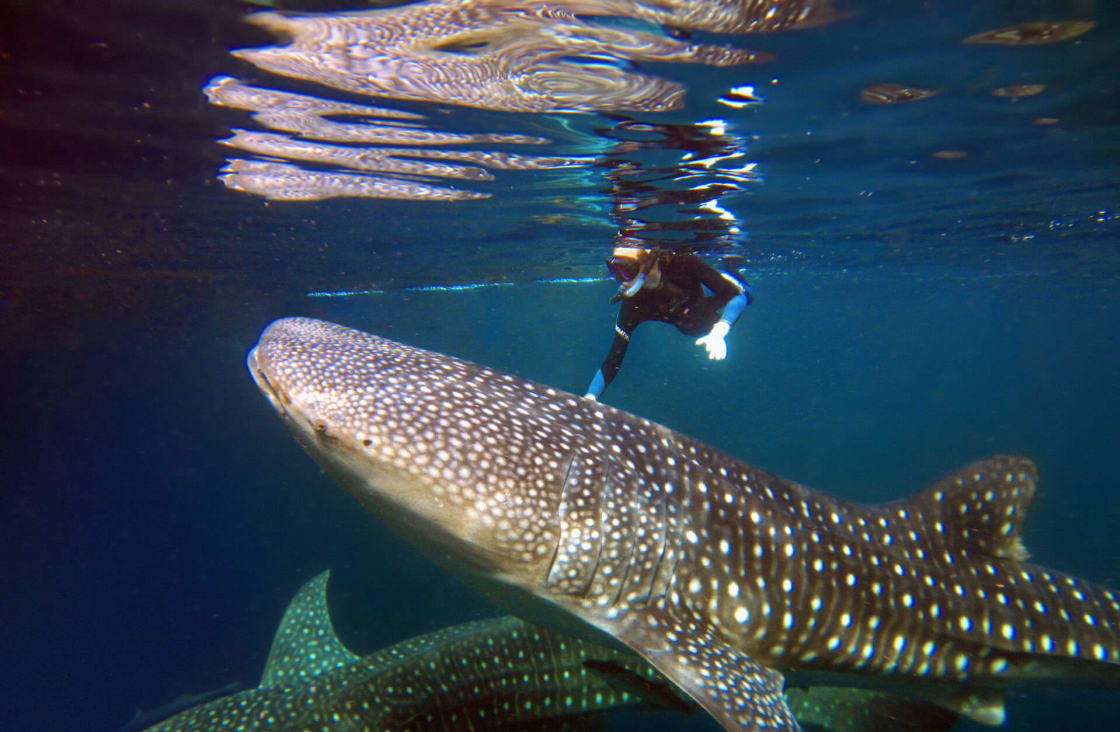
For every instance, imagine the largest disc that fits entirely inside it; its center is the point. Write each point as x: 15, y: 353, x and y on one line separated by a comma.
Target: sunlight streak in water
x: 456, y: 288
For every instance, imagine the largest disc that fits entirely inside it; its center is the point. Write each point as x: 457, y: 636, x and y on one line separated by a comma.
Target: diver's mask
x: 634, y: 268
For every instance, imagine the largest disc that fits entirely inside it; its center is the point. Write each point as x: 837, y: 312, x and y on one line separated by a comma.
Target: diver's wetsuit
x: 690, y: 297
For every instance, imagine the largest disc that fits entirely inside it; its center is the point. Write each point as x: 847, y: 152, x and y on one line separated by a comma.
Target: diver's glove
x: 595, y: 388
x: 717, y: 347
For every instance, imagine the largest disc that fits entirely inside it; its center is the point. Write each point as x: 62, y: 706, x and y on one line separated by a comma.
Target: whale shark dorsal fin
x: 738, y: 691
x: 305, y: 644
x: 980, y: 508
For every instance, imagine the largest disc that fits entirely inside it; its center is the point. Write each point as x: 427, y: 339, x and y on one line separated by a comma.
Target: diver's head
x: 635, y: 268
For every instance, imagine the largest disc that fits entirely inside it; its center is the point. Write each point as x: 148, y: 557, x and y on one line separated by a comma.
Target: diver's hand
x: 717, y: 347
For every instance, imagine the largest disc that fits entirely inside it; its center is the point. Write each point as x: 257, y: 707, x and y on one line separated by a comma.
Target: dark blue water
x: 157, y: 516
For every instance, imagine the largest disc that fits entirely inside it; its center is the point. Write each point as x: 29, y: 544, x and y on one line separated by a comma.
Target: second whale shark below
x: 724, y: 577
x: 496, y: 675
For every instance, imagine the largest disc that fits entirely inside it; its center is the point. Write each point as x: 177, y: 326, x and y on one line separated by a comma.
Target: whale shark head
x: 457, y: 457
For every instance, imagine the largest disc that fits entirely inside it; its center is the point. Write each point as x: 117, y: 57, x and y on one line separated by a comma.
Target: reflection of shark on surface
x: 719, y: 574
x: 142, y: 719
x: 497, y: 674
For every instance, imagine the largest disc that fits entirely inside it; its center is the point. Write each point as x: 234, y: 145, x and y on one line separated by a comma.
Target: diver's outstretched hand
x: 714, y: 341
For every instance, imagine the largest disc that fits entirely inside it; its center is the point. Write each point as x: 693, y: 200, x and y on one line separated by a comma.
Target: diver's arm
x: 722, y: 284
x: 714, y: 342
x: 611, y: 364
x: 735, y: 308
x: 738, y: 298
x: 627, y: 321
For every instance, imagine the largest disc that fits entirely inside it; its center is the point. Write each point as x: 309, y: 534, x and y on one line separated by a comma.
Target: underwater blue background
x: 161, y: 516
x: 157, y: 516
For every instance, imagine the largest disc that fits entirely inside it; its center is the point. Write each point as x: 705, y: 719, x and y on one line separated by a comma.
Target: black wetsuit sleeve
x: 722, y: 287
x: 628, y: 319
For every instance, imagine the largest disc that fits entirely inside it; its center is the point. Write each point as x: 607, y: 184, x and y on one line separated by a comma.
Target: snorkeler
x: 677, y: 288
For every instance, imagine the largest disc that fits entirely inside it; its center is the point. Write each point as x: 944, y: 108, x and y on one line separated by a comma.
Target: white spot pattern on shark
x: 641, y: 532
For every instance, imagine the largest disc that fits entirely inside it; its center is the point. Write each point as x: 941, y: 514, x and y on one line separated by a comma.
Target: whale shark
x: 728, y: 579
x: 494, y: 674
x: 499, y: 673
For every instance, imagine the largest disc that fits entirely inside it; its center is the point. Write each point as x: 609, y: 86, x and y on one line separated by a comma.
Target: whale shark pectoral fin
x: 305, y: 644
x: 739, y: 692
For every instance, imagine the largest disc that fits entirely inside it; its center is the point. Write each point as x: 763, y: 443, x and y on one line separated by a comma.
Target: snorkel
x: 647, y: 261
x: 635, y: 285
